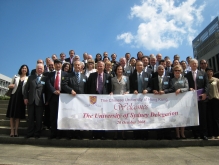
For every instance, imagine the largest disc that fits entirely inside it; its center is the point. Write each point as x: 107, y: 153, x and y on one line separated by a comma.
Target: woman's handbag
x: 8, y: 93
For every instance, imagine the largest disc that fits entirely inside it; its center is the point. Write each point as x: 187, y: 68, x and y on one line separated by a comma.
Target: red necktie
x: 57, y: 81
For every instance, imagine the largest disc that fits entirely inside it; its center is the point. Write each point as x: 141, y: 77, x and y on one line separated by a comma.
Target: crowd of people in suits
x: 130, y: 75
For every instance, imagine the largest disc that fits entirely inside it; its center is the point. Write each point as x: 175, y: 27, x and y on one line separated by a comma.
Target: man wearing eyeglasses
x: 62, y: 58
x: 160, y: 85
x: 198, y: 81
x: 203, y: 65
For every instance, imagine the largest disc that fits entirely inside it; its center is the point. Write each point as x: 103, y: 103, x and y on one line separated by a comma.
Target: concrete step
x: 87, y: 134
x: 23, y: 123
x: 3, y: 117
x: 4, y: 106
x: 22, y: 131
x: 4, y: 101
x: 3, y: 110
x: 107, y: 143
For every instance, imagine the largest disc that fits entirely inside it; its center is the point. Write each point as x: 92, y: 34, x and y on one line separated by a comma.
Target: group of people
x: 102, y: 75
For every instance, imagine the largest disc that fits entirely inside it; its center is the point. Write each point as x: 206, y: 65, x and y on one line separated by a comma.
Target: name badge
x: 107, y: 81
x: 128, y: 71
x: 168, y: 76
x: 42, y: 82
x: 165, y: 83
x: 124, y: 79
x: 84, y: 80
x: 181, y: 82
x: 145, y: 79
x: 200, y: 77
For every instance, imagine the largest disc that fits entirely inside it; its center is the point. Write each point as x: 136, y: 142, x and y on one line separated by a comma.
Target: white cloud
x: 164, y: 24
x: 127, y: 37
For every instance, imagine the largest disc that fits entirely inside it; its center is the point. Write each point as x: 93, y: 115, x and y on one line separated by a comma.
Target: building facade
x: 4, y: 82
x: 206, y: 45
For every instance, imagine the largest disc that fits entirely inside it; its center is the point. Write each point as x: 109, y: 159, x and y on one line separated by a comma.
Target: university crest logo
x: 93, y: 99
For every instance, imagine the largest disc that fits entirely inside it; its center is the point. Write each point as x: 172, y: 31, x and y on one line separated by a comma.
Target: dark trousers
x: 46, y: 119
x: 98, y: 134
x: 164, y: 133
x: 53, y: 106
x: 140, y: 134
x: 213, y: 117
x: 34, y: 112
x: 201, y: 130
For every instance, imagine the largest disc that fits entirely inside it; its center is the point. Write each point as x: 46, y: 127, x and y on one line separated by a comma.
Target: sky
x: 36, y: 29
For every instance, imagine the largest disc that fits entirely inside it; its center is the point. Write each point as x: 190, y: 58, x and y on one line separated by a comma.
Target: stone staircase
x: 108, y: 143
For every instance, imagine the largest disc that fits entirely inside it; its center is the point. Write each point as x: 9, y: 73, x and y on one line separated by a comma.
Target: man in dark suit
x: 75, y: 83
x: 99, y: 83
x: 139, y: 83
x: 46, y: 118
x: 71, y: 57
x: 153, y: 62
x: 34, y: 98
x: 169, y: 68
x: 160, y: 85
x: 53, y: 91
x: 145, y: 60
x: 40, y: 61
x: 166, y: 73
x: 198, y: 80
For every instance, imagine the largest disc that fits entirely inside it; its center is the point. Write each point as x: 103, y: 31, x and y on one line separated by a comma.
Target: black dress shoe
x: 58, y: 137
x: 195, y: 137
x: 93, y: 138
x: 115, y: 138
x: 79, y: 137
x: 204, y: 138
x: 177, y: 138
x: 28, y: 136
x: 52, y: 137
x: 16, y: 135
x: 124, y: 138
x: 11, y: 135
x: 37, y: 136
x: 103, y: 138
x: 69, y: 138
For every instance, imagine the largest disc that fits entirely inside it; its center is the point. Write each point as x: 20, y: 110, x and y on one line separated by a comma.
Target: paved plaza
x: 27, y: 154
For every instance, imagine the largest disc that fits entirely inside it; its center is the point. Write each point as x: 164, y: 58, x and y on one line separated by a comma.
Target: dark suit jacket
x: 35, y: 91
x: 69, y: 61
x: 201, y: 80
x: 149, y: 70
x: 133, y: 80
x: 171, y: 69
x: 154, y: 84
x: 70, y: 83
x: 50, y: 85
x: 92, y: 83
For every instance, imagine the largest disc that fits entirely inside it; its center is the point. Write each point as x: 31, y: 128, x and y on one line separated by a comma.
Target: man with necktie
x: 34, y: 98
x: 75, y: 83
x: 99, y: 83
x: 53, y: 91
x: 71, y: 57
x: 139, y: 83
x: 160, y: 85
x: 198, y: 81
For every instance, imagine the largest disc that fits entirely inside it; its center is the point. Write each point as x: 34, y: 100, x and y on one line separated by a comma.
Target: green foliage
x: 4, y: 98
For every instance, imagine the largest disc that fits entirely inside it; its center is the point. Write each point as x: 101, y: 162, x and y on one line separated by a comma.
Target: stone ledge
x: 108, y: 143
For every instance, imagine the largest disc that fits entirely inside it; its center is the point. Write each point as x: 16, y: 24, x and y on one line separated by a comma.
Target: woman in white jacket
x: 16, y: 106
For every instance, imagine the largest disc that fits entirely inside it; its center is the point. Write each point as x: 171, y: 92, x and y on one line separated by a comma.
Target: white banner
x: 127, y: 112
